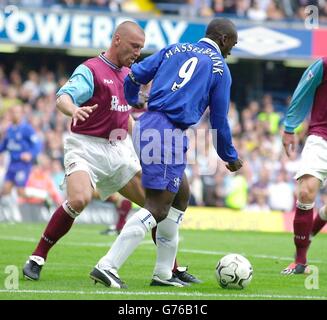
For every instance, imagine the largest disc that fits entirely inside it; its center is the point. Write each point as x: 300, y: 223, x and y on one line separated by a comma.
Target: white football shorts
x: 110, y: 165
x: 314, y: 158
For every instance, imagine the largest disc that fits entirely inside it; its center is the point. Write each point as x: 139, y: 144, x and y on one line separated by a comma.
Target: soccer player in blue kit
x: 187, y: 77
x: 23, y: 145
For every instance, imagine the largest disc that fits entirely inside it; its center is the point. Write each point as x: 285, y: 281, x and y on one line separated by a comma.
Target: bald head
x: 127, y: 42
x: 224, y: 33
x: 128, y: 29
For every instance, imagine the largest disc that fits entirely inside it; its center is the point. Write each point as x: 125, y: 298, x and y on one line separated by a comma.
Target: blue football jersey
x: 20, y: 138
x: 187, y: 78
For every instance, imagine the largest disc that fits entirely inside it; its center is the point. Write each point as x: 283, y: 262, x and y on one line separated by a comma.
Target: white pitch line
x: 149, y: 242
x: 163, y: 293
x: 67, y: 243
x: 259, y: 256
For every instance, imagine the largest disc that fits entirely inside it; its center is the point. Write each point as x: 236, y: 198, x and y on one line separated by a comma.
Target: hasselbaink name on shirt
x: 214, y: 56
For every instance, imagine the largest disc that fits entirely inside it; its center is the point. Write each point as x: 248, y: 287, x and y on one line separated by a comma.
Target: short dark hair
x: 218, y: 27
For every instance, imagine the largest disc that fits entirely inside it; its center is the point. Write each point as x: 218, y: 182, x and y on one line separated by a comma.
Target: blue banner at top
x: 87, y: 30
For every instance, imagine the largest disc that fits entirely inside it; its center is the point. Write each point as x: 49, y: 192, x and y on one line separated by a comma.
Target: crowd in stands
x: 106, y: 5
x: 264, y: 183
x: 257, y: 10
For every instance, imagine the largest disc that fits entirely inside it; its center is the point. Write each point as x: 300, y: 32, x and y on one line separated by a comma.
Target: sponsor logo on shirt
x: 115, y: 106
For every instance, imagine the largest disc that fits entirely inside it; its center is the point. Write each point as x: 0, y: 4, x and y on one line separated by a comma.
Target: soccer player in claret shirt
x: 309, y: 96
x: 187, y: 77
x: 23, y: 145
x: 97, y: 154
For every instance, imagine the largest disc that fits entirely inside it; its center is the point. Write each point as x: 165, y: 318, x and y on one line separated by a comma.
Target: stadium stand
x: 256, y: 112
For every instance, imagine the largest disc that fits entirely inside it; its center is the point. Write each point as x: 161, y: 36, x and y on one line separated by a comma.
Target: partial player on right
x: 310, y: 94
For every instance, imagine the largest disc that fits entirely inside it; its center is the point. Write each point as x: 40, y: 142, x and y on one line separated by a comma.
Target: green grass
x: 65, y: 276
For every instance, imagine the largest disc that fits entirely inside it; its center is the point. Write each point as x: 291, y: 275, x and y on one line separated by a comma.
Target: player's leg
x: 123, y: 206
x: 79, y: 194
x: 135, y: 192
x: 7, y: 188
x: 6, y: 200
x: 167, y: 237
x: 180, y: 203
x: 125, y: 178
x: 319, y: 221
x: 156, y: 208
x: 17, y: 176
x: 308, y: 187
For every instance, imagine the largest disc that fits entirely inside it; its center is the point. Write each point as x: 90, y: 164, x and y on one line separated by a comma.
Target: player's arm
x: 3, y: 144
x: 141, y: 73
x: 303, y: 96
x: 34, y: 142
x: 76, y: 91
x: 301, y: 103
x: 222, y: 137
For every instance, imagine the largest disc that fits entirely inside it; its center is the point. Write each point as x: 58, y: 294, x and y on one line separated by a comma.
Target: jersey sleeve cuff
x: 288, y: 129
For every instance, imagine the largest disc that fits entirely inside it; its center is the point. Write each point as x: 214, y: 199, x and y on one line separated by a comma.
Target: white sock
x: 9, y: 210
x: 130, y: 237
x: 7, y: 200
x: 167, y: 243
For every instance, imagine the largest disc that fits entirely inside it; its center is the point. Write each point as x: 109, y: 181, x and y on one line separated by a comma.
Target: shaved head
x: 224, y: 33
x: 128, y: 28
x: 127, y: 41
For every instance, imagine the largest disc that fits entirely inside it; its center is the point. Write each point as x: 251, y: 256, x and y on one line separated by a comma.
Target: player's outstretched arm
x: 66, y: 106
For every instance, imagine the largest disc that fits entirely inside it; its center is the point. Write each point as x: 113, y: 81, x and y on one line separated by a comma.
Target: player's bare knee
x: 306, y: 195
x: 181, y: 204
x: 183, y: 195
x: 79, y: 202
x: 159, y: 213
x: 6, y: 189
x: 21, y: 192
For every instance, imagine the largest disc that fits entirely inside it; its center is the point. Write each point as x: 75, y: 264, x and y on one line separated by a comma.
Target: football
x: 234, y: 271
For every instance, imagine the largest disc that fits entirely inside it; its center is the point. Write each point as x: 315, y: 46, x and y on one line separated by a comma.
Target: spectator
x: 281, y: 193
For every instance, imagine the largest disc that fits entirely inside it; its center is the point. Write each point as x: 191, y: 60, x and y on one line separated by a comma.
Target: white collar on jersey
x: 214, y: 44
x: 107, y: 61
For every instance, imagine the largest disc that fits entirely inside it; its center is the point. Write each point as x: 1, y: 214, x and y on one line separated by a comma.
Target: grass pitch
x: 66, y: 273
